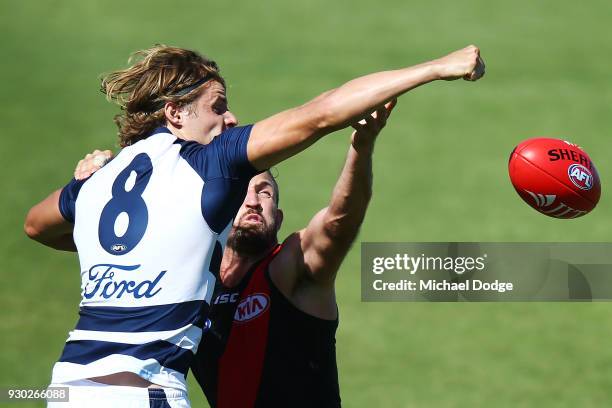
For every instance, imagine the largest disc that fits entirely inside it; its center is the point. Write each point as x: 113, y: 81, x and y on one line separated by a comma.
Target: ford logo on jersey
x: 251, y: 307
x: 102, y: 283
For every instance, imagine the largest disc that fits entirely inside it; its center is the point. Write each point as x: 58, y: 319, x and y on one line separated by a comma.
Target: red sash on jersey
x: 246, y: 345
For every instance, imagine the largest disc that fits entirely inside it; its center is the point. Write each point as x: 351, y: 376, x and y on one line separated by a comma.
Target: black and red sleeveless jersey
x: 261, y: 351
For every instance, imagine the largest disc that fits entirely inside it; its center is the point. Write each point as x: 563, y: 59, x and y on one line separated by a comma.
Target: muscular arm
x: 329, y: 235
x: 45, y: 224
x: 288, y: 133
x: 306, y: 268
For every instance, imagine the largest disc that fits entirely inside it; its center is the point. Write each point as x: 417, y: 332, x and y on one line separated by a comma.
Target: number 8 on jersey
x: 127, y: 199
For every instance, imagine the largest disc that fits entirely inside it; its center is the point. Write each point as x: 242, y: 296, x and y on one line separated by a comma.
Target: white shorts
x: 90, y: 394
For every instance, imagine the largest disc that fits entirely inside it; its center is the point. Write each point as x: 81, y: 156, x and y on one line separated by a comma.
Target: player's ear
x: 279, y: 218
x: 173, y: 113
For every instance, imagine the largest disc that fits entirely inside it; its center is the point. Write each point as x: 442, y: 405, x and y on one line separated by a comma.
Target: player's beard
x: 252, y: 240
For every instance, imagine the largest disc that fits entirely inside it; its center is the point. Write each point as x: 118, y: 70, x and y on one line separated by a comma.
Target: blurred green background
x: 440, y: 172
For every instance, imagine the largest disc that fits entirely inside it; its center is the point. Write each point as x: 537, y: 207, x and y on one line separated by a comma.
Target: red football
x: 555, y: 177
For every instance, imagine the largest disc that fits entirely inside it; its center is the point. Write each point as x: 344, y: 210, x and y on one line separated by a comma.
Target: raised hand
x: 368, y: 128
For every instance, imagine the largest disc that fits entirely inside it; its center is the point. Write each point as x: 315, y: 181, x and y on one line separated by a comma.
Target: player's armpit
x: 324, y: 244
x: 45, y: 224
x: 311, y: 256
x: 287, y: 266
x: 290, y: 276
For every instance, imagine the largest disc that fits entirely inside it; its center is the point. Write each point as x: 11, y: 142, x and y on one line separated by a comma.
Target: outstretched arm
x: 312, y: 256
x: 288, y: 133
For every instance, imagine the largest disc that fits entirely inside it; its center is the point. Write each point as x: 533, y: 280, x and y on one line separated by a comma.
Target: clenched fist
x: 465, y: 63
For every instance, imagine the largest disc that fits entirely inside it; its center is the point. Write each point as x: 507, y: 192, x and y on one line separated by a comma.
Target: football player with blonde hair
x: 150, y: 227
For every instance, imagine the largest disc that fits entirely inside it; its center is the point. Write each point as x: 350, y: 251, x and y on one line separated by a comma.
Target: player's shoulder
x: 228, y: 137
x: 285, y: 265
x: 155, y: 144
x: 290, y: 249
x: 224, y: 157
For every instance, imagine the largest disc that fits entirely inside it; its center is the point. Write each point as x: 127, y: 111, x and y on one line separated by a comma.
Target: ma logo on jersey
x: 580, y: 176
x: 251, y: 307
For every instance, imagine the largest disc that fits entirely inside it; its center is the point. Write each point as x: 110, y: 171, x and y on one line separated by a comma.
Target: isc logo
x: 226, y: 298
x: 580, y: 176
x: 251, y: 307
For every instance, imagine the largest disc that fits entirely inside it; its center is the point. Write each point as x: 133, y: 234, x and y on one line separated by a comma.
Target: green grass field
x: 440, y: 172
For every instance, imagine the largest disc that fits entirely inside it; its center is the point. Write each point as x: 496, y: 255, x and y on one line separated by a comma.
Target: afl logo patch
x: 251, y: 307
x: 118, y: 248
x: 580, y: 176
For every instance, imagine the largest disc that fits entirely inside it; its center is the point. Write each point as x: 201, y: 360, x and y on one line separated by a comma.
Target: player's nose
x: 230, y: 119
x: 251, y: 200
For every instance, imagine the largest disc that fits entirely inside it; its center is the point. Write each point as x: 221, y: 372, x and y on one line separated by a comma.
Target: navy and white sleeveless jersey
x: 150, y: 228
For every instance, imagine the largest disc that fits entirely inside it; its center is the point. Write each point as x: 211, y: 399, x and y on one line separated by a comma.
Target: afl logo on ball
x: 251, y: 307
x: 580, y: 176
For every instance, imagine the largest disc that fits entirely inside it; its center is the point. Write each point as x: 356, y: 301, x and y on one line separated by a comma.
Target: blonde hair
x: 161, y: 74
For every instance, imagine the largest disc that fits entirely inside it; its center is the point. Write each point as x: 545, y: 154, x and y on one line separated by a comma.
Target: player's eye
x: 220, y: 108
x: 265, y: 194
